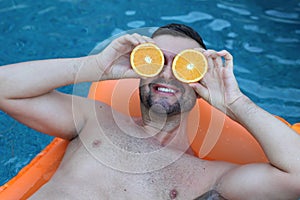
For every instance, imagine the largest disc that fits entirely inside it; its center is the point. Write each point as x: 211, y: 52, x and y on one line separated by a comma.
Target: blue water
x: 263, y: 36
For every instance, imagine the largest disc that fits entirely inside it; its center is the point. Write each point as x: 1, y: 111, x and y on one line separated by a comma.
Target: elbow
x: 2, y: 88
x: 4, y: 102
x: 2, y: 99
x: 8, y: 82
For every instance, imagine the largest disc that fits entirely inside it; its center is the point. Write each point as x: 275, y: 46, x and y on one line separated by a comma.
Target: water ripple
x: 254, y: 28
x: 136, y: 24
x: 284, y: 17
x: 130, y: 12
x: 252, y: 49
x: 190, y: 17
x: 6, y: 123
x: 232, y: 35
x: 257, y: 90
x: 41, y: 12
x: 14, y: 7
x: 116, y: 31
x: 283, y: 61
x: 241, y: 69
x: 279, y: 14
x: 219, y: 24
x: 286, y: 40
x: 229, y: 44
x: 281, y: 109
x: 239, y: 11
x: 254, y: 17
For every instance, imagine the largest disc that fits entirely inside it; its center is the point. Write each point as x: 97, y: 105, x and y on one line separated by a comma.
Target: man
x: 94, y: 167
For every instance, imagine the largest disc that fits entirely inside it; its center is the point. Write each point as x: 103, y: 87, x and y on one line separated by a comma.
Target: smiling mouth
x: 163, y: 89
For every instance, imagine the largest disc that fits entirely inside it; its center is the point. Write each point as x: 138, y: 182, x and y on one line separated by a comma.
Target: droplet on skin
x: 173, y: 194
x: 96, y: 143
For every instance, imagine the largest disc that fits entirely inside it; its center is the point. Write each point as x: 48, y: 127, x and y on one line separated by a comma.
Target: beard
x: 162, y: 105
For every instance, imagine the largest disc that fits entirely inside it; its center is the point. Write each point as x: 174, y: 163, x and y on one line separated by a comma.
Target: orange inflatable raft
x: 212, y: 135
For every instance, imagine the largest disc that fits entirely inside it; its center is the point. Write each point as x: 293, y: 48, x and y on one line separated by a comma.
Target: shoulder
x: 101, y: 114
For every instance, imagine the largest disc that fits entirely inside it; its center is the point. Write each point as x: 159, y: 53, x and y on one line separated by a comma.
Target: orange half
x: 189, y: 66
x: 147, y: 59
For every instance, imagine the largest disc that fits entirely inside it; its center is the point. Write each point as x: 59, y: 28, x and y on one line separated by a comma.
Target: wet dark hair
x: 179, y: 30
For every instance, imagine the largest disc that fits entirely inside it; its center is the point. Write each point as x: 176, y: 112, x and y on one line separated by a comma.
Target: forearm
x: 280, y: 143
x: 29, y: 79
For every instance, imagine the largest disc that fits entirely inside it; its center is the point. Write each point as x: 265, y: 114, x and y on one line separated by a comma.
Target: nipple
x: 96, y: 143
x: 173, y: 194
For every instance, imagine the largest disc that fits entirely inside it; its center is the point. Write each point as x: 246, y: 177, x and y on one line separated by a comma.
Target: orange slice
x: 147, y: 59
x: 189, y: 66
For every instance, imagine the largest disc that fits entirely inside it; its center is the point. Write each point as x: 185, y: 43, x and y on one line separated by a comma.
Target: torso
x: 102, y: 163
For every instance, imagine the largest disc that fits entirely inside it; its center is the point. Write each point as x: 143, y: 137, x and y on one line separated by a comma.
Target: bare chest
x: 105, y: 163
x: 89, y: 176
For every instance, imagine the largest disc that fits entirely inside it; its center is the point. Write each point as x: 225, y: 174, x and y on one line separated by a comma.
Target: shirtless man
x: 93, y: 168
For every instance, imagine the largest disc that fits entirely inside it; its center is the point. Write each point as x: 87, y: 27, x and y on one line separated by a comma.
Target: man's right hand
x: 114, y: 60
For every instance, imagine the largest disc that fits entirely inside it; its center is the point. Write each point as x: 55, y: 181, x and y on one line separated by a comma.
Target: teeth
x: 167, y: 90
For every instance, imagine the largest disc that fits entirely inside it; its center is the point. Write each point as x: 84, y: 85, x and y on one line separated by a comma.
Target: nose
x: 166, y: 72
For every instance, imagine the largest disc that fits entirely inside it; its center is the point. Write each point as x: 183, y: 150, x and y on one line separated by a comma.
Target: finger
x: 126, y: 40
x: 228, y: 58
x: 134, y: 40
x: 200, y: 50
x: 139, y: 38
x: 209, y: 59
x: 217, y: 60
x: 210, y: 63
x: 209, y: 52
x: 148, y: 39
x: 200, y: 90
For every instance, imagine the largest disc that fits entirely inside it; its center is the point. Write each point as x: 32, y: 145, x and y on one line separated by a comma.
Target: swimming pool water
x: 263, y: 36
